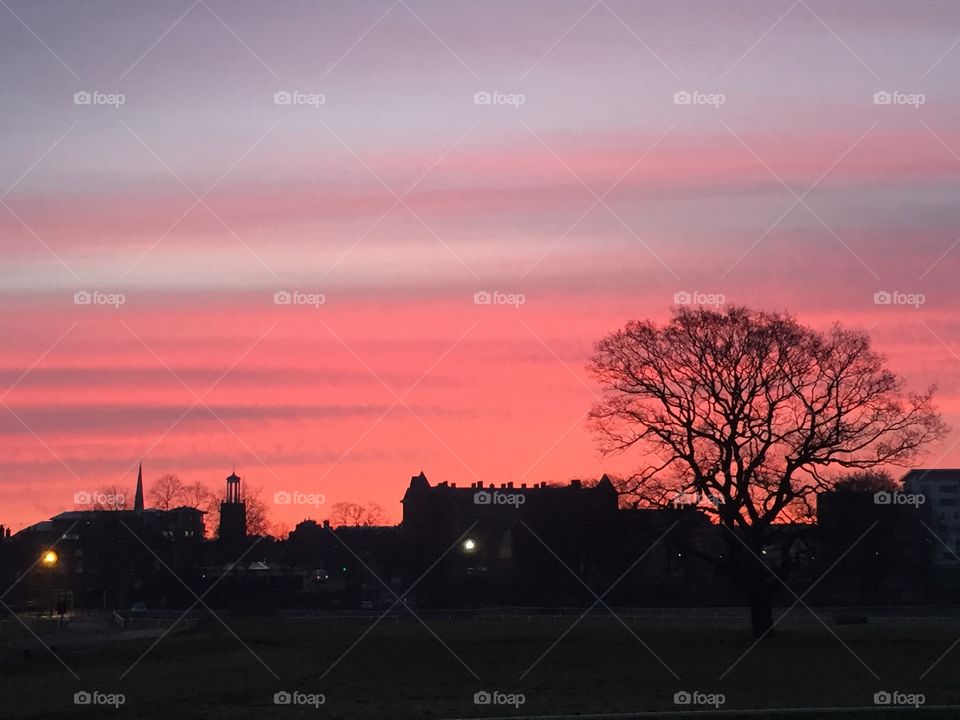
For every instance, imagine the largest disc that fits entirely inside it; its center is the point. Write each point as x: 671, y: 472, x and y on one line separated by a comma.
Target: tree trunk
x: 753, y: 578
x: 761, y: 616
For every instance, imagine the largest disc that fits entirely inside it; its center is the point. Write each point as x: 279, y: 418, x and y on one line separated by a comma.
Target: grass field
x: 400, y: 670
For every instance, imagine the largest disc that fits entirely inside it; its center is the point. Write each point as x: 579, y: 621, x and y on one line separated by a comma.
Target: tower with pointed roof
x: 138, y: 498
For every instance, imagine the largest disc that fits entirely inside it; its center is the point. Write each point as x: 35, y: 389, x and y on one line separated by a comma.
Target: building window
x: 951, y: 489
x: 946, y: 502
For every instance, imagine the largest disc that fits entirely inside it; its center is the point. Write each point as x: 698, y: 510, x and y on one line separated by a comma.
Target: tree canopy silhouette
x: 166, y: 492
x: 742, y: 413
x: 867, y: 481
x: 357, y: 515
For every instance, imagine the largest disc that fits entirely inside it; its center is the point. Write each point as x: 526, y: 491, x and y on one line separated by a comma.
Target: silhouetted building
x: 941, y: 492
x: 880, y: 548
x: 343, y: 564
x: 543, y: 545
x: 538, y: 545
x: 112, y: 558
x: 233, y: 515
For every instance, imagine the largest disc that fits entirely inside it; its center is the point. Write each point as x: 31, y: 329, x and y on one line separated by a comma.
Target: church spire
x: 138, y: 498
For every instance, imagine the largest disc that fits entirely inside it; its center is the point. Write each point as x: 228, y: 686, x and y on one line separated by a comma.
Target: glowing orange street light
x: 49, y: 558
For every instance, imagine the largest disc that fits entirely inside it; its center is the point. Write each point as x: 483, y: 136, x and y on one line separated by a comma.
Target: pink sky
x: 491, y: 197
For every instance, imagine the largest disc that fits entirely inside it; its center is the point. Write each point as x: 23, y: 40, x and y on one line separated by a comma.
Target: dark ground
x: 400, y: 670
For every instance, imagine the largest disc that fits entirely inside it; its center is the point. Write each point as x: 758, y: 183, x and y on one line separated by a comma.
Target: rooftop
x: 933, y: 475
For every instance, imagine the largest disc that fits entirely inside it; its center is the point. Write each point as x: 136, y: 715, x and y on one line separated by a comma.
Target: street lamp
x: 469, y: 545
x: 49, y: 559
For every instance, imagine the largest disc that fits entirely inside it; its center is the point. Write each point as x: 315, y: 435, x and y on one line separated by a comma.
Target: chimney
x: 575, y: 484
x: 510, y: 485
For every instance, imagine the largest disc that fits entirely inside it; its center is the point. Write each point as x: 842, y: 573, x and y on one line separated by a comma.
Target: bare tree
x: 111, y: 497
x: 199, y: 496
x: 742, y: 411
x: 257, y: 521
x: 166, y: 492
x: 375, y: 514
x: 345, y: 513
x: 354, y: 514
